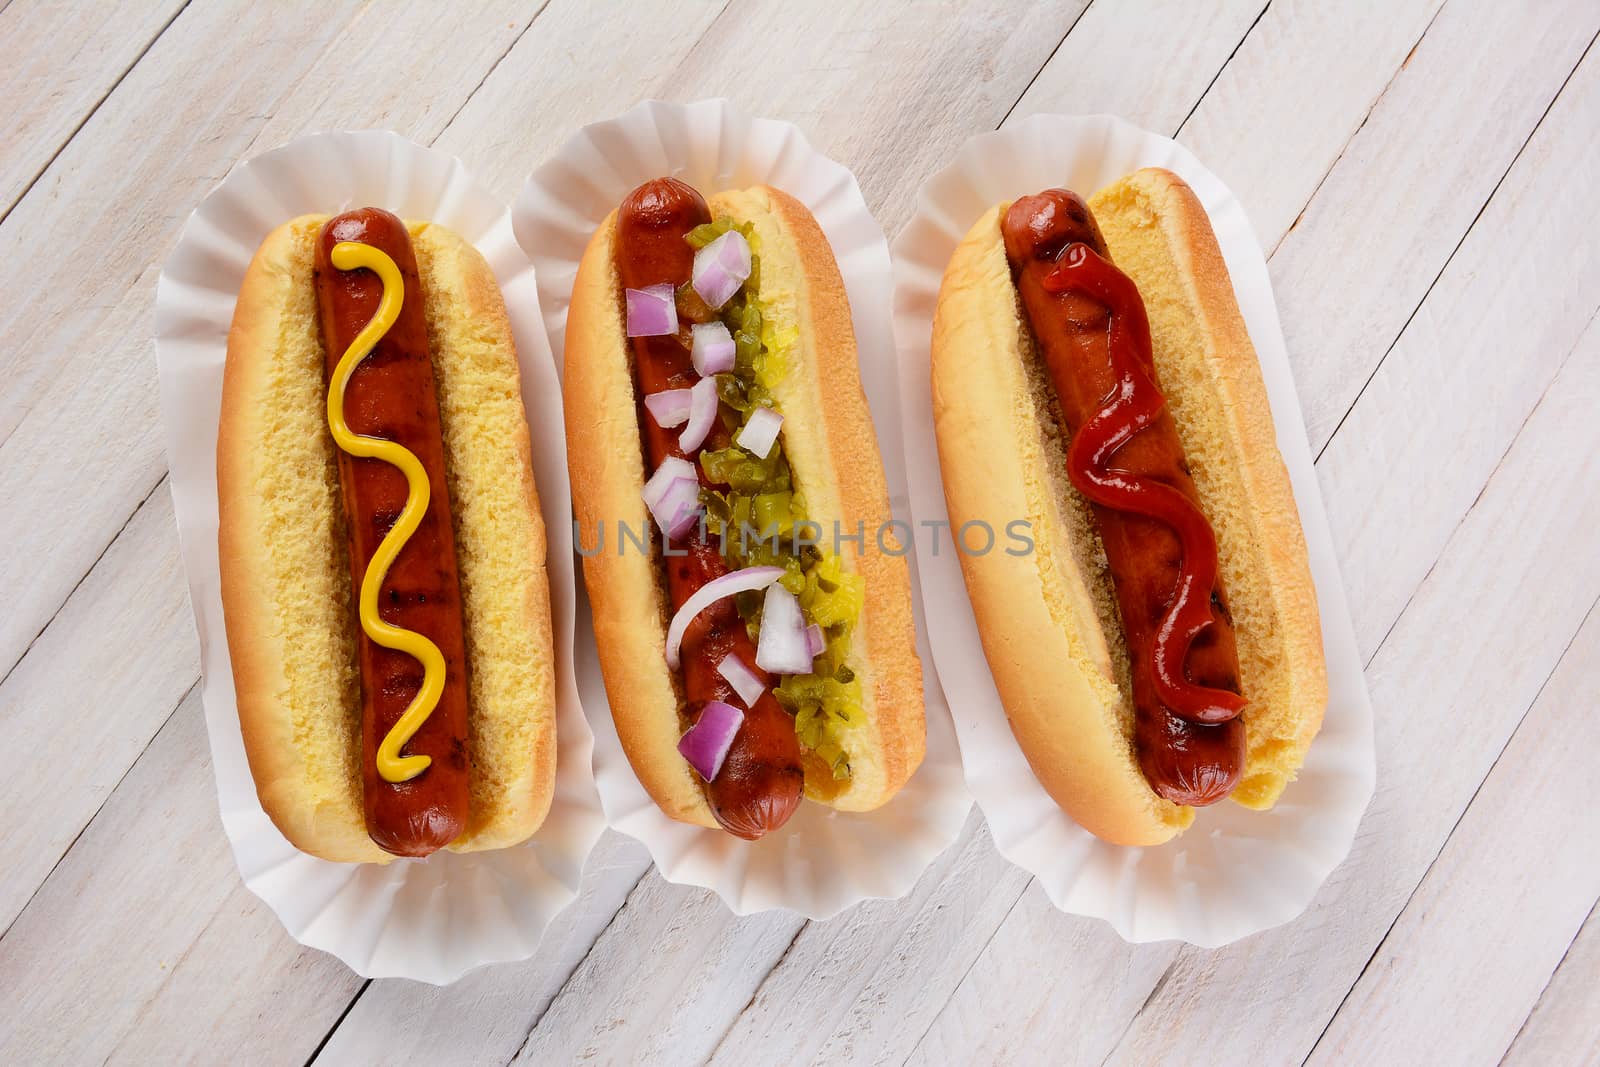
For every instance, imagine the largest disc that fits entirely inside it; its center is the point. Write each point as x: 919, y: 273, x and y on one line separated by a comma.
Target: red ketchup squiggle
x: 1136, y: 401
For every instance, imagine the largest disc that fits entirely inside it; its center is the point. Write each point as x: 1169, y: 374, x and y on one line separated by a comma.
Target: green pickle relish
x: 762, y: 502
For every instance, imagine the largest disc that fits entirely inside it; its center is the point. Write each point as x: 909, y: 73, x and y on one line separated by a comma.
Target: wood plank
x: 210, y: 67
x: 136, y: 945
x: 77, y: 353
x: 56, y: 531
x: 1287, y: 103
x: 887, y: 95
x: 1364, y: 252
x: 1499, y: 614
x: 553, y: 80
x: 488, y: 1015
x: 1565, y: 1024
x: 90, y: 694
x: 1506, y: 923
x: 1066, y: 1014
x: 1148, y: 61
x: 1434, y: 421
x: 836, y: 994
x: 58, y: 62
x: 660, y: 980
x: 1293, y: 979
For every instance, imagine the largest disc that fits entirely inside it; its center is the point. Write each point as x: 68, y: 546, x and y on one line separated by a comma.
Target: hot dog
x: 390, y: 395
x: 1187, y: 762
x: 761, y: 780
x: 381, y: 547
x: 742, y: 673
x: 1160, y: 650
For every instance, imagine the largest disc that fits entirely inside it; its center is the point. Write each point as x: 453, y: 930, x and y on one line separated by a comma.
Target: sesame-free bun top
x: 833, y: 454
x: 1048, y: 620
x: 286, y: 588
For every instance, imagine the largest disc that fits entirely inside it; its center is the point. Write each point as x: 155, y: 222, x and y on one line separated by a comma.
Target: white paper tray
x: 823, y: 861
x: 1234, y: 872
x: 432, y: 919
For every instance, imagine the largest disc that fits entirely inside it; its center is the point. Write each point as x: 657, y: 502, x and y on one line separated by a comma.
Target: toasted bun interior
x: 832, y: 451
x: 285, y: 573
x: 1049, y: 621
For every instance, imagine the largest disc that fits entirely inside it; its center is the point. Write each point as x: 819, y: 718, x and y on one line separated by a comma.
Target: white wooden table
x: 1423, y: 174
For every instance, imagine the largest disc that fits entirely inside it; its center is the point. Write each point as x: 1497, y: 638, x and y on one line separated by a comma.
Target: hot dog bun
x: 286, y: 589
x: 1049, y: 620
x: 833, y: 452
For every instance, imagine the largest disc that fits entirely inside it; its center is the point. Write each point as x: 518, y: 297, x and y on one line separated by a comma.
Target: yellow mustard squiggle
x: 393, y: 767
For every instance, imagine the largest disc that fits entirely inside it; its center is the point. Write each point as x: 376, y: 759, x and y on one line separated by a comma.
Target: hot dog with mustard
x: 382, y: 551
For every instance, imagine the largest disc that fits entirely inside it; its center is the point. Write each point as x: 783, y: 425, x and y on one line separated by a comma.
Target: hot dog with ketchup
x: 717, y: 438
x: 382, y: 552
x: 1126, y: 458
x: 1160, y: 650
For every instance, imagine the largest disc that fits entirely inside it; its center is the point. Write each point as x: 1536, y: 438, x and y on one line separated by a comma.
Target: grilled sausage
x: 761, y: 781
x: 1092, y: 331
x: 391, y: 395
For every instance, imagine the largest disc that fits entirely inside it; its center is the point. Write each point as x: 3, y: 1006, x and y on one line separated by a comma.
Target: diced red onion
x: 782, y: 648
x: 652, y: 311
x: 815, y: 641
x: 669, y: 408
x: 679, y: 508
x: 702, y: 415
x: 743, y: 580
x: 721, y: 267
x: 742, y: 678
x: 673, y: 496
x: 760, y: 433
x: 714, y: 350
x: 672, y: 468
x: 705, y: 744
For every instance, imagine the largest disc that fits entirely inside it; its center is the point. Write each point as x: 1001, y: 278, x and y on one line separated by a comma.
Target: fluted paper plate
x: 823, y: 861
x: 432, y: 919
x: 1234, y: 872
